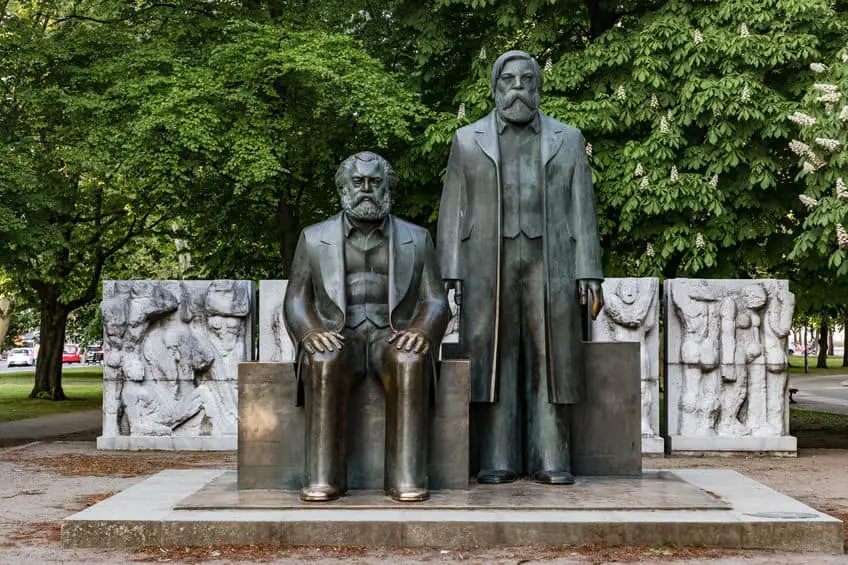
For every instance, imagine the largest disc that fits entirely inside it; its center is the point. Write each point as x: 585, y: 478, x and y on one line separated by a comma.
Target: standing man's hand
x: 456, y: 285
x: 585, y: 286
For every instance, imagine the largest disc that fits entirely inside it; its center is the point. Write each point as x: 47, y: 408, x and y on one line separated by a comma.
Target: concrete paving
x: 753, y: 517
x: 822, y: 393
x: 53, y: 426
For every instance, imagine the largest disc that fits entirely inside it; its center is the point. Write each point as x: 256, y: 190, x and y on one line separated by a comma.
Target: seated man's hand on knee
x: 410, y: 340
x: 321, y: 341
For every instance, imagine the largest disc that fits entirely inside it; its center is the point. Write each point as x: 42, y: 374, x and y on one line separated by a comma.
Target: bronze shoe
x: 319, y: 493
x: 496, y: 476
x: 409, y: 494
x: 554, y: 477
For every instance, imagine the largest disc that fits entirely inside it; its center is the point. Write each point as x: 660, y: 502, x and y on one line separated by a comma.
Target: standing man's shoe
x: 496, y: 476
x: 554, y: 477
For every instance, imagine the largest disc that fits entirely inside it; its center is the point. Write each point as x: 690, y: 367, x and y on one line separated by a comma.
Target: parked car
x: 21, y: 356
x: 94, y: 355
x: 71, y: 353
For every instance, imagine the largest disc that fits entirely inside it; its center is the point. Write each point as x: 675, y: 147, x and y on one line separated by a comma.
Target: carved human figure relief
x: 727, y: 357
x: 275, y: 345
x: 630, y: 315
x: 742, y: 367
x: 696, y: 308
x: 171, y: 355
x: 452, y: 333
x: 127, y: 311
x: 778, y: 324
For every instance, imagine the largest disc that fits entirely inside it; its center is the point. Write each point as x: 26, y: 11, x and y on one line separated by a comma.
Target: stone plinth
x: 708, y: 508
x: 726, y: 365
x: 630, y: 314
x: 271, y: 432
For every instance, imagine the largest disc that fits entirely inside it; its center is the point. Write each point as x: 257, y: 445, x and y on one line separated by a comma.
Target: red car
x: 71, y: 354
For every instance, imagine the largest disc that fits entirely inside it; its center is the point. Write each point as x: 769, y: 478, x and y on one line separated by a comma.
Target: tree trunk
x: 822, y: 362
x: 48, y: 370
x: 288, y: 225
x: 602, y: 16
x: 830, y: 340
x: 4, y: 320
x: 845, y: 342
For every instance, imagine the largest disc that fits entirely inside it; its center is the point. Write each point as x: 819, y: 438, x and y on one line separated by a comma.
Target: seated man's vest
x: 367, y: 277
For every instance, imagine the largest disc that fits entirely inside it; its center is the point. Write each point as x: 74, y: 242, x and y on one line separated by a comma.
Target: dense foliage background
x: 196, y: 139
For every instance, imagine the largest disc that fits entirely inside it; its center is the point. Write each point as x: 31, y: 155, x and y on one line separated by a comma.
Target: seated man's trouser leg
x: 407, y: 384
x: 328, y: 378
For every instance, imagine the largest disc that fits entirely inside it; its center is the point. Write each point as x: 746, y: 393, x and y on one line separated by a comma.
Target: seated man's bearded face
x: 517, y: 91
x: 365, y: 194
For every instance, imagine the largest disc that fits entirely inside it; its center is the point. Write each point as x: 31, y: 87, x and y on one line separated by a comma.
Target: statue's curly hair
x: 366, y: 156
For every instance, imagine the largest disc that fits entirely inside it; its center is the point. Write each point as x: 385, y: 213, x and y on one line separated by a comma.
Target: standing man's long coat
x: 469, y: 246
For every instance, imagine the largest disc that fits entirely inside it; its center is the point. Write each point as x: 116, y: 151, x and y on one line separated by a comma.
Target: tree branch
x: 600, y: 17
x: 98, y: 218
x: 131, y: 16
x: 103, y: 256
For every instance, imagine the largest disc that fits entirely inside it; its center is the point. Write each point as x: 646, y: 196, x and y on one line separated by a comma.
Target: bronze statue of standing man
x: 518, y: 240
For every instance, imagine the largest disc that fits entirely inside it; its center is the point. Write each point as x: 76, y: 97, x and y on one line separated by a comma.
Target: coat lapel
x: 332, y: 261
x: 551, y: 138
x: 401, y: 262
x: 487, y: 138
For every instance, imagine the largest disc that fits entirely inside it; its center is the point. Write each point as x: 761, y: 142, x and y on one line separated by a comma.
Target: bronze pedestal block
x: 271, y: 448
x: 606, y: 427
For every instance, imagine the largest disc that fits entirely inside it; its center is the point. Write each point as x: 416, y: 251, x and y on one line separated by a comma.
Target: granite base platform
x: 709, y: 508
x: 169, y: 443
x: 653, y: 445
x: 780, y: 446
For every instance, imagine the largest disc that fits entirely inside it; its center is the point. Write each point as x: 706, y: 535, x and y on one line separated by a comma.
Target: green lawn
x: 83, y: 387
x: 834, y: 365
x: 819, y: 429
x: 809, y: 420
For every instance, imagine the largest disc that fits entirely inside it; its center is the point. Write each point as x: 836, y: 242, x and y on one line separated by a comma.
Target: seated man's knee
x: 400, y: 357
x: 324, y: 358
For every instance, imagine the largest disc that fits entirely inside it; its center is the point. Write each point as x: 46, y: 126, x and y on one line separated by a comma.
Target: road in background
x: 4, y: 369
x: 823, y: 393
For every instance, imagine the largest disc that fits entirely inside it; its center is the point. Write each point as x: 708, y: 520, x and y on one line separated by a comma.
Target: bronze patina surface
x: 365, y: 300
x: 518, y: 240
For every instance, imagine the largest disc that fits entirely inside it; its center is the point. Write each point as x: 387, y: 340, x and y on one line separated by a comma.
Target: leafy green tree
x: 67, y: 202
x: 122, y: 118
x: 684, y: 110
x: 252, y: 132
x: 820, y: 147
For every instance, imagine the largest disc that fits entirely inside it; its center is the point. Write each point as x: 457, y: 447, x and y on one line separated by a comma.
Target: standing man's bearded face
x: 365, y: 194
x: 517, y: 91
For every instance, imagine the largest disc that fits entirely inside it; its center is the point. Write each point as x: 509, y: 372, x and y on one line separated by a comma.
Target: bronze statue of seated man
x: 364, y: 298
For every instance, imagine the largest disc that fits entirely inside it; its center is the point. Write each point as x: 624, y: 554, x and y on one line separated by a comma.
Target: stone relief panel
x: 630, y: 314
x: 726, y: 355
x: 452, y: 331
x: 171, y: 354
x: 275, y: 345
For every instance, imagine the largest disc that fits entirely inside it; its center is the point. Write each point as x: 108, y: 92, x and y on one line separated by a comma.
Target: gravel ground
x: 42, y: 483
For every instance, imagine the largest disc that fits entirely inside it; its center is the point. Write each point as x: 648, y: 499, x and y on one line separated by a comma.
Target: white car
x: 21, y: 356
